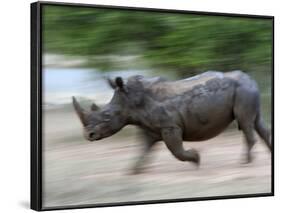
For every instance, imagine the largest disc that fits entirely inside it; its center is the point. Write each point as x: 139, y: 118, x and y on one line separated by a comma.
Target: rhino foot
x: 135, y: 171
x: 194, y: 156
x: 248, y: 159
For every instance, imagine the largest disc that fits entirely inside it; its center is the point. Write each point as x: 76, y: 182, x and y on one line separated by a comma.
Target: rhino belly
x: 201, y: 127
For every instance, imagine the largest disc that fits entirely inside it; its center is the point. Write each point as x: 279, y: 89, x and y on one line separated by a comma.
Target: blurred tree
x: 183, y: 42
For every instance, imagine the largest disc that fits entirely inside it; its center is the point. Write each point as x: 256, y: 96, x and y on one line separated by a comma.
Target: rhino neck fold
x: 120, y: 111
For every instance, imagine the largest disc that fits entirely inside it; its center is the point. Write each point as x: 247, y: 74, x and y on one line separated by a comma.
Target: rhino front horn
x: 80, y: 111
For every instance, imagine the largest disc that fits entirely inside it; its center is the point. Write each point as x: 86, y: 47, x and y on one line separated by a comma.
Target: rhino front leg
x: 149, y: 141
x: 173, y: 140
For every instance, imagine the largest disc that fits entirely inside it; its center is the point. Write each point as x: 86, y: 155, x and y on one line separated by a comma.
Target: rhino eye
x: 106, y: 115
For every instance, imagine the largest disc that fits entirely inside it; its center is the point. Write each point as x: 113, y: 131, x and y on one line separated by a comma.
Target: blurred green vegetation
x: 181, y: 42
x: 184, y: 44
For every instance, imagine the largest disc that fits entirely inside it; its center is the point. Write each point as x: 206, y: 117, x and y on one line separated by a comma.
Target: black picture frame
x: 36, y: 105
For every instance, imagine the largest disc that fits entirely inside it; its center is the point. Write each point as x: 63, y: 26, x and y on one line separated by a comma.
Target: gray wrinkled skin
x: 192, y: 109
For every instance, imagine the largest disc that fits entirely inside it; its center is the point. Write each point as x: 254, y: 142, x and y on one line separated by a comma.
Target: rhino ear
x: 111, y: 83
x: 119, y: 82
x: 121, y: 85
x: 94, y: 107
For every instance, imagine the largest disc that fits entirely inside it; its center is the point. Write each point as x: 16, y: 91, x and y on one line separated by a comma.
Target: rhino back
x: 168, y: 89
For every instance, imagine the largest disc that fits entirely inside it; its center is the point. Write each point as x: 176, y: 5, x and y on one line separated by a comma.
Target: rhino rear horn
x: 80, y: 111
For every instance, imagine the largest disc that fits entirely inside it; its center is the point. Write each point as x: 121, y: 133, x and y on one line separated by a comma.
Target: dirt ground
x: 76, y: 171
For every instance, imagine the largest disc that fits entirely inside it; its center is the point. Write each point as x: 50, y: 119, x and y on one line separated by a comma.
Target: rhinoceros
x: 192, y: 109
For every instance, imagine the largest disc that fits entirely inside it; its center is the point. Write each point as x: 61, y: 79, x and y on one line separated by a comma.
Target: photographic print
x: 134, y: 106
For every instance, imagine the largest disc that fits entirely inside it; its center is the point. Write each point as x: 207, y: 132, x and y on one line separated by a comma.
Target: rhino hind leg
x: 246, y: 107
x: 173, y: 140
x: 248, y: 131
x: 249, y: 128
x: 250, y: 141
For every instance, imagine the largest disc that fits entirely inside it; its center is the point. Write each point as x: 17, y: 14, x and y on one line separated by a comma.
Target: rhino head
x: 99, y: 123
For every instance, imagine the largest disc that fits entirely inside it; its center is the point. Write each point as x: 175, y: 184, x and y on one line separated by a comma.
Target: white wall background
x: 15, y: 105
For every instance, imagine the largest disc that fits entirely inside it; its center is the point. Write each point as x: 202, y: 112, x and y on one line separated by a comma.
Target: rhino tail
x: 263, y: 131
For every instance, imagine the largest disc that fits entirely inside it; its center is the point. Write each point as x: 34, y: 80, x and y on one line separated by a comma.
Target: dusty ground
x: 79, y: 172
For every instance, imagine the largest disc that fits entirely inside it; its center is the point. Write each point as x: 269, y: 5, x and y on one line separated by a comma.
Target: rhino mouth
x: 91, y: 139
x: 94, y: 137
